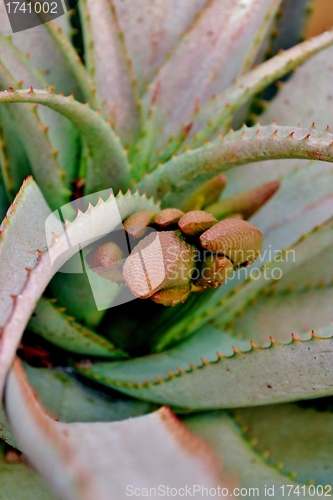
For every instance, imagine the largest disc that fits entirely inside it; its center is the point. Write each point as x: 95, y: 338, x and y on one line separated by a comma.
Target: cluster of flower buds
x: 182, y: 252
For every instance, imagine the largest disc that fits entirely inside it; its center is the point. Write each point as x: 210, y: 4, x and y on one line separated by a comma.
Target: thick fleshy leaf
x: 51, y: 323
x: 4, y: 202
x: 61, y: 132
x: 68, y: 400
x: 43, y: 51
x: 290, y: 104
x: 211, y: 54
x: 87, y: 460
x: 299, y: 439
x: 22, y: 236
x: 18, y: 480
x: 302, y: 202
x: 108, y: 167
x: 252, y: 377
x: 6, y: 434
x: 256, y: 473
x: 40, y: 152
x: 315, y: 79
x: 32, y: 267
x: 176, y: 180
x: 217, y: 114
x: 153, y: 32
x: 166, y: 377
x: 14, y: 162
x: 110, y: 67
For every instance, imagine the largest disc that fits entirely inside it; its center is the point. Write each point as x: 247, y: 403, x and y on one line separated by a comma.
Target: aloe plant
x: 127, y: 373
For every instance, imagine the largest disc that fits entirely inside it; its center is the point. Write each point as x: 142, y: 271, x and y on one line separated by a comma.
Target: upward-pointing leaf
x: 151, y: 35
x: 209, y: 56
x: 109, y: 66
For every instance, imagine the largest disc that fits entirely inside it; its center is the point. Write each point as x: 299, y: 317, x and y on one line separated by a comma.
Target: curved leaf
x: 62, y: 134
x: 31, y: 268
x: 87, y: 460
x: 258, y: 475
x: 38, y: 147
x: 175, y: 181
x: 68, y: 400
x: 109, y: 167
x: 52, y: 324
x: 217, y: 114
x: 304, y: 432
x: 257, y: 376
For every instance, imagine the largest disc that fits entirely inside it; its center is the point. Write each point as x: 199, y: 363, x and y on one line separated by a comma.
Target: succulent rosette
x: 166, y: 259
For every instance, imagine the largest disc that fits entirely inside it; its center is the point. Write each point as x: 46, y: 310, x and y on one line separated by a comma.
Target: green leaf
x: 68, y: 400
x: 209, y: 57
x: 108, y: 167
x: 20, y: 250
x: 22, y: 237
x: 44, y: 54
x: 38, y: 147
x: 62, y: 134
x: 110, y: 67
x: 240, y: 455
x: 75, y: 64
x: 193, y: 375
x: 62, y: 330
x: 297, y: 438
x: 151, y: 36
x: 20, y: 481
x: 256, y: 376
x: 177, y: 179
x: 79, y: 464
x: 217, y: 114
x: 6, y: 434
x: 15, y: 165
x: 293, y: 100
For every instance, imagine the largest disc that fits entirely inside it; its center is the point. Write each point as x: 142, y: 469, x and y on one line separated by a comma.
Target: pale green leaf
x: 25, y: 235
x: 299, y: 439
x: 176, y: 180
x: 19, y: 481
x: 108, y: 167
x: 69, y: 400
x: 257, y: 475
x: 109, y: 66
x: 99, y: 460
x: 51, y: 323
x: 211, y: 54
x: 153, y: 32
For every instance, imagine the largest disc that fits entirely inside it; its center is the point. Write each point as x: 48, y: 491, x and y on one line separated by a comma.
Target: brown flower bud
x: 106, y: 261
x: 196, y: 222
x: 136, y: 224
x: 168, y: 216
x: 214, y: 271
x: 237, y: 239
x: 172, y: 296
x: 161, y: 260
